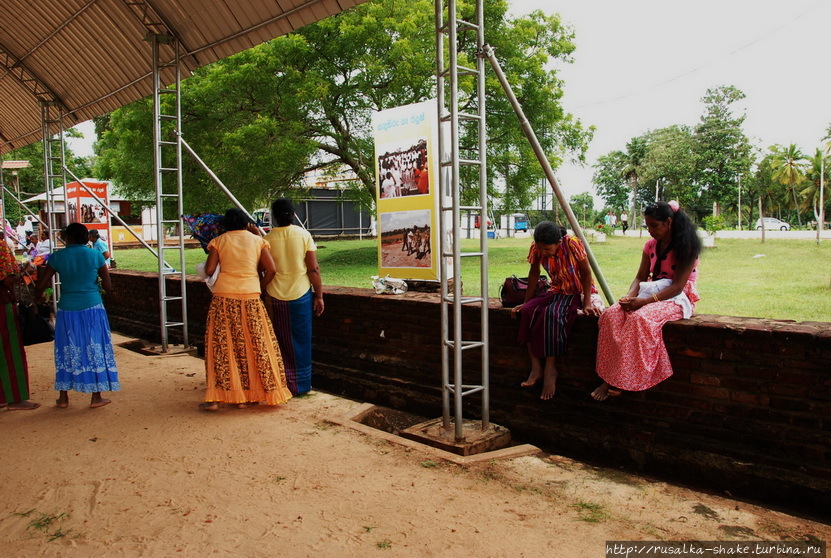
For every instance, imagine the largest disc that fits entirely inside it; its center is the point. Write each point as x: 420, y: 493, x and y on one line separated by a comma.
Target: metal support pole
x: 218, y: 182
x: 549, y: 172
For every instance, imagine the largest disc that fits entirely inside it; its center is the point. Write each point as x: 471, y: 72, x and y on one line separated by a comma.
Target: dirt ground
x: 150, y: 475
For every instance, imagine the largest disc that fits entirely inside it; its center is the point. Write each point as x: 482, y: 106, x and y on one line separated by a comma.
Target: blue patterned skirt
x: 84, y: 357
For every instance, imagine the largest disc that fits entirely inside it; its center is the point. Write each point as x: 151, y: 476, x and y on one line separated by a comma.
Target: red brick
x: 712, y: 392
x: 705, y: 379
x: 693, y: 353
x: 750, y: 398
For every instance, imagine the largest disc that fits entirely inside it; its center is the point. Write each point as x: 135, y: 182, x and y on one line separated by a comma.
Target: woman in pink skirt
x: 631, y: 354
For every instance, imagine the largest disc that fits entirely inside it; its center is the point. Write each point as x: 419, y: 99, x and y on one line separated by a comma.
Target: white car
x: 773, y: 224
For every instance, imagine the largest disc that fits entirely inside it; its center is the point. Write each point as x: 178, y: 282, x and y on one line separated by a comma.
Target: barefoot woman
x: 546, y: 320
x: 84, y: 357
x: 631, y: 354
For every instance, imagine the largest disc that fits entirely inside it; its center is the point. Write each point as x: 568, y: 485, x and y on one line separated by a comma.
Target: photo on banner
x: 406, y: 163
x: 84, y: 208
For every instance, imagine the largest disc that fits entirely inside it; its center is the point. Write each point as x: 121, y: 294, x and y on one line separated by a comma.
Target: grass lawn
x: 791, y: 281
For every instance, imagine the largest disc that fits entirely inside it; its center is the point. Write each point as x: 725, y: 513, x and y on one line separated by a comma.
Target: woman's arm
x: 212, y: 262
x: 44, y: 280
x: 586, y: 283
x: 104, y: 274
x: 313, y: 271
x: 628, y: 302
x: 269, y: 269
x: 677, y: 286
x: 533, y: 279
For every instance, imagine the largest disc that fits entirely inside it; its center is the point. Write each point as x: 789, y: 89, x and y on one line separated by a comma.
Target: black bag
x: 34, y: 327
x: 514, y: 288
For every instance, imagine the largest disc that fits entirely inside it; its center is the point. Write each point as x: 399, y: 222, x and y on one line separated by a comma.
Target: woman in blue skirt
x: 84, y: 357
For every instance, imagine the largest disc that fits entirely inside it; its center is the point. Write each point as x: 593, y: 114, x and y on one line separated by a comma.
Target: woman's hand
x: 590, y: 309
x: 516, y: 310
x: 632, y: 303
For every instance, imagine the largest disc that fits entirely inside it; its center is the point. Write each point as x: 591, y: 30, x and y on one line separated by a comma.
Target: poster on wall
x: 406, y: 164
x: 85, y: 209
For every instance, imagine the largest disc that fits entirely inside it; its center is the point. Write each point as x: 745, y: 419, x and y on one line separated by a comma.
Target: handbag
x: 34, y: 328
x: 514, y: 288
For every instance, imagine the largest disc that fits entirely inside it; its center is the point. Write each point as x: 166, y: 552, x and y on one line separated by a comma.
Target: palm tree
x: 635, y: 153
x: 810, y: 194
x: 789, y: 170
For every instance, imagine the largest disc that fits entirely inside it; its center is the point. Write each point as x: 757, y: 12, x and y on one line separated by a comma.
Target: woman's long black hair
x: 685, y: 240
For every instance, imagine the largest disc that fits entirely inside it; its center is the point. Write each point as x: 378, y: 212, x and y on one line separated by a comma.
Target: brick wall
x: 747, y: 411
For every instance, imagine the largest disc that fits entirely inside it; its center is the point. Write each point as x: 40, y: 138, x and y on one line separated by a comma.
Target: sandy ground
x: 150, y: 475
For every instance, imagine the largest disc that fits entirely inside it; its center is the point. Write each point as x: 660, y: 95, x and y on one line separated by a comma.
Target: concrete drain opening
x: 429, y: 436
x: 149, y: 349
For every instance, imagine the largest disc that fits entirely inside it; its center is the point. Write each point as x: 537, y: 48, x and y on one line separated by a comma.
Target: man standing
x: 624, y: 221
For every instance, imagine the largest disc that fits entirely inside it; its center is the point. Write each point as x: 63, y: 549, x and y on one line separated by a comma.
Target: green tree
x: 789, y: 165
x: 616, y: 174
x: 811, y: 193
x: 262, y: 118
x: 669, y: 163
x: 583, y: 207
x: 31, y: 181
x: 766, y: 187
x: 723, y: 152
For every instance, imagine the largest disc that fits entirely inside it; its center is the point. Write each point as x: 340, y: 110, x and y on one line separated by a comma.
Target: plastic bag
x: 388, y: 285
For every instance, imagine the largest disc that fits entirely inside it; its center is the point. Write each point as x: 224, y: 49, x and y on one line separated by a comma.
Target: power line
x: 707, y: 64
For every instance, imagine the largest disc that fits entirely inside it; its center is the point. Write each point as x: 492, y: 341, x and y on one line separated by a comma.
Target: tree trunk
x: 762, y: 219
x: 796, y: 205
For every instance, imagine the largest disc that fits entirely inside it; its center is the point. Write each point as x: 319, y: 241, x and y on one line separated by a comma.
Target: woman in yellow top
x: 294, y: 295
x: 242, y: 359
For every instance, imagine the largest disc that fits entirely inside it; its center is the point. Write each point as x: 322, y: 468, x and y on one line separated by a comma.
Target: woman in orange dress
x: 243, y: 364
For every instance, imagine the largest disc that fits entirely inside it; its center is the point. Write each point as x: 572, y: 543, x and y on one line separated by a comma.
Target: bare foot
x: 533, y: 378
x: 3, y: 405
x: 23, y: 406
x: 62, y: 402
x: 549, y: 386
x: 100, y: 402
x: 604, y: 392
x: 209, y: 406
x: 548, y: 389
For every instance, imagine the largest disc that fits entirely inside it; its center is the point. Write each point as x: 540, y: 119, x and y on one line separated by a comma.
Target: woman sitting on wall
x: 546, y: 320
x: 631, y: 354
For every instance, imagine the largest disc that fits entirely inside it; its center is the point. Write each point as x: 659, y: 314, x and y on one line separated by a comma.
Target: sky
x: 645, y: 64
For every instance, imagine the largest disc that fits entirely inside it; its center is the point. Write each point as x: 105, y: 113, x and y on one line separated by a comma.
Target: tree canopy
x: 698, y: 166
x: 264, y: 117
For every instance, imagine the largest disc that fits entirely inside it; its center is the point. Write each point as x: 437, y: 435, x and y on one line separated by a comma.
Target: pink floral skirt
x: 631, y: 354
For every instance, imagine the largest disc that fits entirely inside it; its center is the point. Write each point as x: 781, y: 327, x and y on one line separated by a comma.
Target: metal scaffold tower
x: 167, y: 125
x: 51, y: 117
x: 461, y: 83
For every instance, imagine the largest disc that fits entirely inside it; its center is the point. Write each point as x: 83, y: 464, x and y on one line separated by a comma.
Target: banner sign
x: 83, y: 208
x: 406, y: 167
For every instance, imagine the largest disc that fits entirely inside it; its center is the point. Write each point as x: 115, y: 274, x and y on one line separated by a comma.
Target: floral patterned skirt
x: 631, y: 354
x: 242, y: 357
x: 84, y: 357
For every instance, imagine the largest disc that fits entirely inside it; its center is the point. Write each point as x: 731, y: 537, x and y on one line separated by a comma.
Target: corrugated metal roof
x: 91, y: 56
